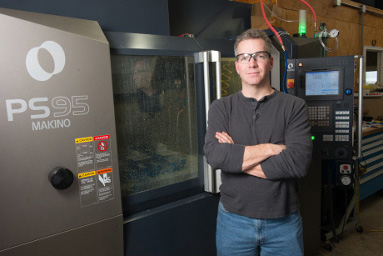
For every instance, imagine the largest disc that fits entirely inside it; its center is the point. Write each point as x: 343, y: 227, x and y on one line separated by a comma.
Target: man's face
x: 253, y: 73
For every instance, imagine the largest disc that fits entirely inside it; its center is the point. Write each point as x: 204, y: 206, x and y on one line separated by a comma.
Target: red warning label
x: 102, y: 137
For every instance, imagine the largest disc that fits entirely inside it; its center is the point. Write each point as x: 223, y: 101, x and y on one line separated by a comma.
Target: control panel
x: 326, y: 84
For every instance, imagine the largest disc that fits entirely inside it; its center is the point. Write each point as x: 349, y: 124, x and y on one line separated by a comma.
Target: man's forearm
x: 254, y: 155
x: 256, y: 171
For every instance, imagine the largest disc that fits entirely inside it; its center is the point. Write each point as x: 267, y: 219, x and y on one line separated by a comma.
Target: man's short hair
x: 253, y: 34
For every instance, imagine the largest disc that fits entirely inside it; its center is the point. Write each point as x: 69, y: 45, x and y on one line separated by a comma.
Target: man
x: 260, y: 139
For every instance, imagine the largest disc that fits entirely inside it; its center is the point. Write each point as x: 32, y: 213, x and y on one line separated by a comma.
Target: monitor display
x: 322, y: 83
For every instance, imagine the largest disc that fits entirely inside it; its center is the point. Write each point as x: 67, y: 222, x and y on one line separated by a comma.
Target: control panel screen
x: 322, y: 83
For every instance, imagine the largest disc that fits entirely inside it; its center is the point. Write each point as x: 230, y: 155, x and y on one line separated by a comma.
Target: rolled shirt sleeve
x: 224, y: 156
x: 294, y: 161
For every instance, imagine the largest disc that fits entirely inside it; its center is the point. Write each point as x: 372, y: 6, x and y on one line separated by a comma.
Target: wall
x: 137, y: 16
x: 373, y: 107
x: 346, y: 18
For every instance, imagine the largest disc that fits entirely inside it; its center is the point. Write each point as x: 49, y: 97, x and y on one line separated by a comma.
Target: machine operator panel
x: 326, y: 84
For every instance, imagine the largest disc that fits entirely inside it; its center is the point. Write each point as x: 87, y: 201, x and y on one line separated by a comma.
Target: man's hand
x: 254, y: 155
x: 276, y: 148
x: 223, y: 137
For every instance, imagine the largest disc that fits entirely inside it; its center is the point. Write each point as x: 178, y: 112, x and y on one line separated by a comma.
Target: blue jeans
x: 242, y: 236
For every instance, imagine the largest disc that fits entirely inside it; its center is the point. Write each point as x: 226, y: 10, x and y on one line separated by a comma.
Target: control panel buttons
x: 340, y: 153
x: 345, y: 180
x: 345, y: 169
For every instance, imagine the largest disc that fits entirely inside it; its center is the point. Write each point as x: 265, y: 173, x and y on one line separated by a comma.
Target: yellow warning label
x: 85, y: 139
x: 86, y: 174
x: 104, y: 171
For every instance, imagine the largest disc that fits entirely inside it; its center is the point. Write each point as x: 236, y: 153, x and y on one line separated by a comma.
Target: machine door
x: 216, y: 77
x: 156, y: 121
x: 60, y: 192
x: 208, y: 83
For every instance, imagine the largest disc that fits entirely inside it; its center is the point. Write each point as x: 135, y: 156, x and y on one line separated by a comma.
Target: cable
x: 271, y: 12
x: 312, y: 11
x: 284, y: 75
x: 195, y: 40
x: 279, y: 18
x: 304, y: 2
x: 270, y: 26
x: 323, y: 44
x: 279, y: 39
x: 279, y: 36
x: 281, y: 33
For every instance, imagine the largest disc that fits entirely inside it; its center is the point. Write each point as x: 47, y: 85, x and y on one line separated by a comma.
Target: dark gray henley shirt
x: 277, y: 118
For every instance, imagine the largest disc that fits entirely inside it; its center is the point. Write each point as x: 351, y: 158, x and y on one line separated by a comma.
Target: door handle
x: 61, y: 178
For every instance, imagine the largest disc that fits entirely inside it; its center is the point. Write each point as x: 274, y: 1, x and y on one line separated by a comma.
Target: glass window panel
x: 230, y: 80
x: 373, y: 65
x: 155, y: 121
x: 371, y: 77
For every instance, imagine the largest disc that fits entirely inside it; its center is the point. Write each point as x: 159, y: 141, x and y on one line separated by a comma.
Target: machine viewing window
x: 230, y: 80
x: 155, y: 109
x: 322, y: 83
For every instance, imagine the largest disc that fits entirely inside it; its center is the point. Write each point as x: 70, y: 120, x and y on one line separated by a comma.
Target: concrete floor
x: 370, y: 241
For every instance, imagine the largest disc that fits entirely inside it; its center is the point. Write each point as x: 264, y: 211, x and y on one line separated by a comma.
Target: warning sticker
x: 103, y: 137
x: 88, y: 193
x: 94, y: 168
x: 85, y: 155
x: 105, y: 184
x: 104, y: 171
x: 82, y: 140
x: 86, y: 174
x: 103, y: 154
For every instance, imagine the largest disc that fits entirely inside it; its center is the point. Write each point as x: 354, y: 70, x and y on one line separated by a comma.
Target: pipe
x: 361, y: 37
x: 360, y: 108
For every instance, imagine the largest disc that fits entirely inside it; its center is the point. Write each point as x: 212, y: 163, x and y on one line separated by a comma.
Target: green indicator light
x: 302, y: 23
x: 312, y: 137
x: 302, y: 30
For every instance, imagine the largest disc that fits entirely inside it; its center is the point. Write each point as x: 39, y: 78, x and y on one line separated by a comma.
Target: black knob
x: 61, y: 178
x: 340, y: 152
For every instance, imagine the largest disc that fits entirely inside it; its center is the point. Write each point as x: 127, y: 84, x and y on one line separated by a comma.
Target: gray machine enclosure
x: 57, y: 111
